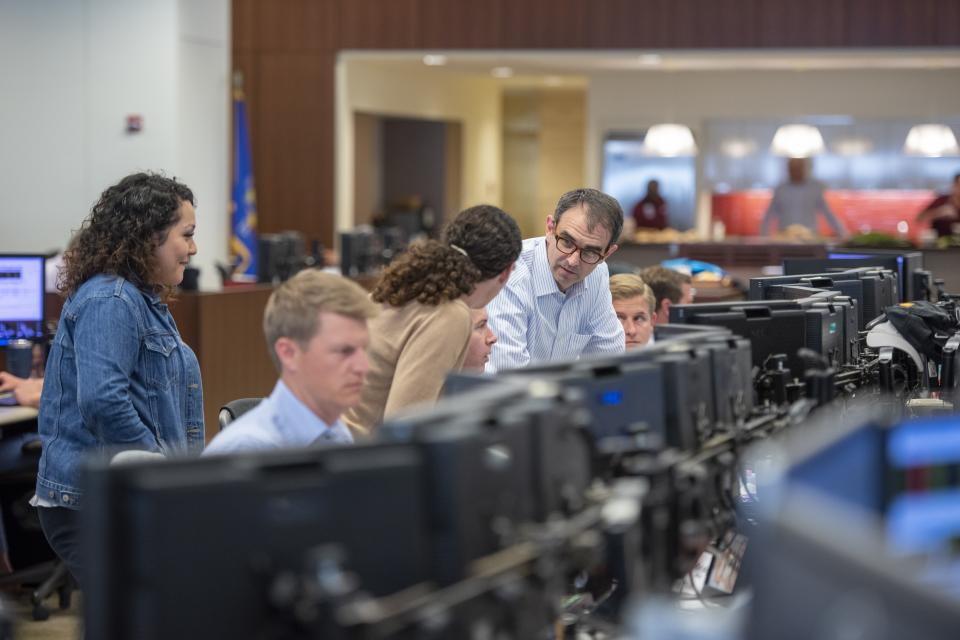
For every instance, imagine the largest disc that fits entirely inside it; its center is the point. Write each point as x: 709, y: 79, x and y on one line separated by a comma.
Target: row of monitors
x: 446, y: 487
x: 676, y: 393
x: 194, y: 548
x: 822, y: 312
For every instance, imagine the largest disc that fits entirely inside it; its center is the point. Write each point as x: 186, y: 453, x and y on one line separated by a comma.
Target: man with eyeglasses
x: 556, y: 305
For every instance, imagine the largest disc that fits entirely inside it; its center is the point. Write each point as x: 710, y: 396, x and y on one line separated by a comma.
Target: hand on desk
x: 25, y: 390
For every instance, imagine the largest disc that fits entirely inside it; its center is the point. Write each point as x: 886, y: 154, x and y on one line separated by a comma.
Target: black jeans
x: 62, y: 528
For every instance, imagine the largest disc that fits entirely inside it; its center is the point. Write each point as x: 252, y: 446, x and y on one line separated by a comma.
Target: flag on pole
x: 243, y: 227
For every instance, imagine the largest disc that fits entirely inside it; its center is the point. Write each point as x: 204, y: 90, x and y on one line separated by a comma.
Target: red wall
x: 860, y: 211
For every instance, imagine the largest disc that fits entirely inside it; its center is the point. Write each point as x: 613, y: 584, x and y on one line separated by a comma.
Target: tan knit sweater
x: 412, y: 348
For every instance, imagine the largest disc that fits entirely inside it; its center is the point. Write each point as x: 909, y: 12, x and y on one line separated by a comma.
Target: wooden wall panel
x: 812, y: 23
x: 297, y: 25
x: 294, y: 168
x: 379, y: 24
x: 889, y: 22
x: 244, y: 25
x: 623, y: 24
x: 225, y: 331
x: 946, y: 18
x: 460, y: 24
x: 544, y: 24
x: 714, y: 24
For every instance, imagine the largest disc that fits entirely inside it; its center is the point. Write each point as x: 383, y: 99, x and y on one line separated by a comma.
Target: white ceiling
x: 571, y: 67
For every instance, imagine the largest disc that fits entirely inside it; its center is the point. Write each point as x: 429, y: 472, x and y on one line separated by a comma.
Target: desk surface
x: 12, y: 415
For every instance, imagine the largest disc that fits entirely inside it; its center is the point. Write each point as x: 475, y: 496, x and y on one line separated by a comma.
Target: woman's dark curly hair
x: 131, y: 219
x: 487, y: 241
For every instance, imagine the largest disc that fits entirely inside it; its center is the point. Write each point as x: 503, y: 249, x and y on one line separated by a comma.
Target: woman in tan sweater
x: 423, y: 329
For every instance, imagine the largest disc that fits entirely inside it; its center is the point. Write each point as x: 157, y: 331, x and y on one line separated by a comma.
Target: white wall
x: 428, y: 93
x: 70, y: 73
x: 625, y: 101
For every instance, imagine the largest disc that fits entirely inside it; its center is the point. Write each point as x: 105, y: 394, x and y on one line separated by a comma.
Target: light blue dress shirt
x: 535, y: 322
x: 280, y: 421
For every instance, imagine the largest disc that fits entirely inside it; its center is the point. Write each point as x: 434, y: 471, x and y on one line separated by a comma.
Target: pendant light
x: 797, y: 141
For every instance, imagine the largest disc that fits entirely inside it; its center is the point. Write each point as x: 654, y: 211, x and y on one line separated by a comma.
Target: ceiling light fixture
x: 931, y: 140
x: 797, y: 141
x: 502, y: 72
x: 650, y: 59
x: 434, y: 60
x: 738, y: 147
x: 669, y: 141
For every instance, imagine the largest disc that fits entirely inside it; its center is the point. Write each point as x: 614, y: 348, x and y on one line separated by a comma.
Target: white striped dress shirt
x: 535, y: 322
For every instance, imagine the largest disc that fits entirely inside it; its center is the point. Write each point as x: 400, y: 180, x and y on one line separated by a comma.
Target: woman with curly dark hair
x: 118, y: 377
x: 423, y: 329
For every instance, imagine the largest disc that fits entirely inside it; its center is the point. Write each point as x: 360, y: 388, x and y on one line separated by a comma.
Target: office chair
x: 25, y: 539
x: 234, y: 409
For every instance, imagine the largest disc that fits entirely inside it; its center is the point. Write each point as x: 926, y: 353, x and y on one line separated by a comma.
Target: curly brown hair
x: 429, y: 272
x: 131, y: 219
x: 480, y: 243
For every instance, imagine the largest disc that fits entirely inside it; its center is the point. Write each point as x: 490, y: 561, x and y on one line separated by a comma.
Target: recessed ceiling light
x: 502, y: 72
x: 434, y: 60
x: 651, y: 59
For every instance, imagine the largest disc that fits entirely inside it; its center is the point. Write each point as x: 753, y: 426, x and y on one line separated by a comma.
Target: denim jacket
x: 118, y: 377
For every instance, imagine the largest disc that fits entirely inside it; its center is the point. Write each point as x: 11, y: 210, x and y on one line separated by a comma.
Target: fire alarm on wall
x: 134, y: 123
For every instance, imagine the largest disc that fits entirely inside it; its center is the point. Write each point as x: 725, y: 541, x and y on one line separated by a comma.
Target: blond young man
x: 315, y: 326
x: 634, y: 304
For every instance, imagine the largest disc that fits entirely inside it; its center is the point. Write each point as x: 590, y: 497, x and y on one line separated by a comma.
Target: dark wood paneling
x: 296, y: 25
x: 544, y: 24
x: 888, y: 22
x: 812, y: 23
x: 946, y: 18
x: 714, y: 24
x: 460, y: 24
x: 225, y: 331
x: 244, y: 25
x: 379, y: 24
x: 294, y: 169
x: 234, y: 360
x: 621, y: 24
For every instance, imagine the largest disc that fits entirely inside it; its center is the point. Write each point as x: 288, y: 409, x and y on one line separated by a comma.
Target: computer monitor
x: 874, y: 289
x: 625, y: 399
x: 769, y: 330
x: 22, y: 286
x: 190, y: 549
x: 496, y: 457
x: 862, y: 539
x: 904, y: 263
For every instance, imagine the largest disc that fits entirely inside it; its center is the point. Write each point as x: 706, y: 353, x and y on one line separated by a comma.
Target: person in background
x: 651, y: 211
x: 315, y: 326
x: 424, y: 327
x: 482, y: 340
x: 557, y: 303
x: 118, y: 376
x: 26, y: 391
x: 669, y: 288
x: 634, y: 304
x: 944, y: 211
x: 797, y: 202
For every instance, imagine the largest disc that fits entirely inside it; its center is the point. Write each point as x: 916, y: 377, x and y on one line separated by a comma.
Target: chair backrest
x: 236, y: 408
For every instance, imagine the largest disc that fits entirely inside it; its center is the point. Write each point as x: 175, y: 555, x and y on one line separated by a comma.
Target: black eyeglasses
x: 569, y: 247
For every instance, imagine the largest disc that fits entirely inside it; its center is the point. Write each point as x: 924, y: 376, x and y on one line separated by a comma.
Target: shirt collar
x: 298, y: 425
x: 543, y: 283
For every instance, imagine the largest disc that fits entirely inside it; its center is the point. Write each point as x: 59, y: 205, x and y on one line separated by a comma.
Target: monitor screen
x: 21, y: 297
